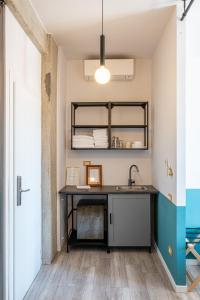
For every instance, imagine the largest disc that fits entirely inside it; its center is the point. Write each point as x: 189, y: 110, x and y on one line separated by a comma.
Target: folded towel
x: 99, y: 131
x: 80, y: 140
x: 100, y: 136
x: 98, y: 140
x: 101, y: 145
x: 104, y: 144
x: 83, y: 146
x: 82, y: 137
x: 101, y: 141
x: 82, y: 143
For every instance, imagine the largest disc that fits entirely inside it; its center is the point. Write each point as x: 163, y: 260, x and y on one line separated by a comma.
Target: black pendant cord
x: 102, y: 19
x: 102, y: 43
x: 186, y: 9
x: 2, y: 3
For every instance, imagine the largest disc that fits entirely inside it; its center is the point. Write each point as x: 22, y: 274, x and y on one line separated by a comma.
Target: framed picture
x: 73, y: 176
x: 94, y: 175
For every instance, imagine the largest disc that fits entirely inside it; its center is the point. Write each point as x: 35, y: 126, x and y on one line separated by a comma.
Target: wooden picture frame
x: 94, y: 175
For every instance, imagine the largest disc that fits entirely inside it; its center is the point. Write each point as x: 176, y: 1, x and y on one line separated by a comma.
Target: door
x: 129, y: 220
x: 23, y: 76
x: 27, y: 186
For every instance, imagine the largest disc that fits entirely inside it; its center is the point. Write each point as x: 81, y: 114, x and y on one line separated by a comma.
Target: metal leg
x: 72, y: 202
x: 150, y: 250
x: 67, y: 227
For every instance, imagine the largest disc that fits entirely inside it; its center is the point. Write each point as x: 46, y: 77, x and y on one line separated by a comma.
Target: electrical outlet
x: 170, y: 250
x: 170, y: 172
x: 169, y: 169
x: 170, y: 196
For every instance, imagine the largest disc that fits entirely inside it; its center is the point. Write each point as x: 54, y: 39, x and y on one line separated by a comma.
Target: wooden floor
x: 96, y: 275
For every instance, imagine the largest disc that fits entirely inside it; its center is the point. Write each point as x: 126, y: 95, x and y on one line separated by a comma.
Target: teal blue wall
x: 170, y: 230
x: 193, y: 210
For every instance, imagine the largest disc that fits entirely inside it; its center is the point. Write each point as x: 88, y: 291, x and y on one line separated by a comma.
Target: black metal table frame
x: 71, y: 214
x: 105, y: 244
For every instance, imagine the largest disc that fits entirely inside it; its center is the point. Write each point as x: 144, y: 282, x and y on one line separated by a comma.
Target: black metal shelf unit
x: 109, y: 126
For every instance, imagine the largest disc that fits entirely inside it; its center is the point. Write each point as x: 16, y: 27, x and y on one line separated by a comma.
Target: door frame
x: 2, y: 150
x: 9, y: 185
x: 9, y: 204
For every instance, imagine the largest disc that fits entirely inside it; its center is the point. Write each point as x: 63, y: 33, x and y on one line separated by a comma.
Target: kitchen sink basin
x: 136, y: 188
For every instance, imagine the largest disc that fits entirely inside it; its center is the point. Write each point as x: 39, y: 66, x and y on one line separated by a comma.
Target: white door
x: 23, y: 71
x: 27, y: 224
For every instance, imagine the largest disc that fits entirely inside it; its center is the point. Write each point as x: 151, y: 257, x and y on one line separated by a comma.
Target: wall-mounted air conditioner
x: 120, y: 69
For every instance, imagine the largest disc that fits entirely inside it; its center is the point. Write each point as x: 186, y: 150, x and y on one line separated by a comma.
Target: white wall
x: 193, y: 97
x: 115, y: 163
x: 164, y: 87
x: 61, y: 143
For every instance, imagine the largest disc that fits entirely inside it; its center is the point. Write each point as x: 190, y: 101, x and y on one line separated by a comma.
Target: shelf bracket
x: 186, y: 8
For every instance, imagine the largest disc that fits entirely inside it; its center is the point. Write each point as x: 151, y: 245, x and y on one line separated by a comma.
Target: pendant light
x: 102, y: 74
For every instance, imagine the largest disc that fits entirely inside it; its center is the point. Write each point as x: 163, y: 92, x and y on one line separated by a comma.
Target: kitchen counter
x: 105, y: 190
x: 127, y: 206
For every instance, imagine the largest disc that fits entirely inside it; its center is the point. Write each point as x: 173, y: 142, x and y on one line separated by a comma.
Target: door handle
x: 20, y: 191
x: 24, y: 191
x: 110, y: 219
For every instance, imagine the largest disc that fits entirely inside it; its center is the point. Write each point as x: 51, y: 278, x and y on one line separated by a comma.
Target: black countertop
x: 105, y: 190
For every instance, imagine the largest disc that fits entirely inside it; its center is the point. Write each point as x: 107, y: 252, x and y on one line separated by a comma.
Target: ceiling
x: 132, y: 28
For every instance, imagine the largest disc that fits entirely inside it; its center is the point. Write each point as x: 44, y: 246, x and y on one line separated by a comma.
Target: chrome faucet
x: 130, y: 180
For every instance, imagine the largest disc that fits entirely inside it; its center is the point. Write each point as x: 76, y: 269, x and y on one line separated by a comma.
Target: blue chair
x: 193, y: 239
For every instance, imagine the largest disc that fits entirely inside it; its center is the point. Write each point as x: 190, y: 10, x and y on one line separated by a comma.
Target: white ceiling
x: 132, y: 27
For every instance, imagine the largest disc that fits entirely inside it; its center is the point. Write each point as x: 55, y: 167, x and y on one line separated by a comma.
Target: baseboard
x: 177, y: 288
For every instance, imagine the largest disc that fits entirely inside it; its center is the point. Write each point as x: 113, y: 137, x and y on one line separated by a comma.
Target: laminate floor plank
x: 156, y: 287
x: 118, y: 275
x: 92, y: 274
x: 137, y: 282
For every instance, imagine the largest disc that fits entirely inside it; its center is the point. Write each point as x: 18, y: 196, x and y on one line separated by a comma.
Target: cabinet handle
x: 110, y: 218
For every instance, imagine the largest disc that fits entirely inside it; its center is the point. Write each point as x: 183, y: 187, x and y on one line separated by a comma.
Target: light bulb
x: 102, y: 75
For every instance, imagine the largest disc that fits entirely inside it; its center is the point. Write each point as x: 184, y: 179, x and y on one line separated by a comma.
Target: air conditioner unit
x: 120, y: 69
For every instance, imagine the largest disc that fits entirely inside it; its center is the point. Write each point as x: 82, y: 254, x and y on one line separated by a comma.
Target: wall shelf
x: 109, y: 106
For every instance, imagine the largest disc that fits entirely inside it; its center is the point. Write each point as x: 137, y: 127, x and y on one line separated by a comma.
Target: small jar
x: 121, y: 144
x: 117, y: 143
x: 113, y: 142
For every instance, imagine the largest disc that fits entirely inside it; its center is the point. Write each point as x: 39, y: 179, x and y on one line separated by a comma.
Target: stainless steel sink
x: 136, y: 188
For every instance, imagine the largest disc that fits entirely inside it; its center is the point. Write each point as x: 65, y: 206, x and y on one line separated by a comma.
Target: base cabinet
x: 129, y: 220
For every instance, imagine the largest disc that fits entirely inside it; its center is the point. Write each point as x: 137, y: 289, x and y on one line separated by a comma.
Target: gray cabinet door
x: 129, y: 220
